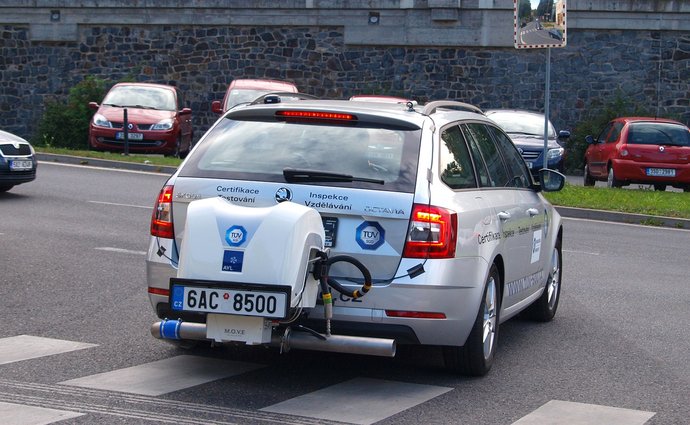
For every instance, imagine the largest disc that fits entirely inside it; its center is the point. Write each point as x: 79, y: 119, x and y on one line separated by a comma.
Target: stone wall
x: 649, y: 64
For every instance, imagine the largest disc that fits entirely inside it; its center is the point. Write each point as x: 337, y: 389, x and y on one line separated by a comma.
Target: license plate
x: 661, y: 172
x: 21, y: 164
x: 120, y: 135
x: 267, y: 301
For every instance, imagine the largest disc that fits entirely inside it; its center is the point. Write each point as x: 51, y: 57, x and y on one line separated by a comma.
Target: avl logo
x: 235, y: 235
x: 370, y: 235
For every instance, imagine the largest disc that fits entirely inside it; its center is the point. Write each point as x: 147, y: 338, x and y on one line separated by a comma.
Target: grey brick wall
x: 650, y: 63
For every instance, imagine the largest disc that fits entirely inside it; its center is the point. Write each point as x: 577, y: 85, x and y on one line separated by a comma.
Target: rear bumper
x: 371, y: 316
x: 636, y: 172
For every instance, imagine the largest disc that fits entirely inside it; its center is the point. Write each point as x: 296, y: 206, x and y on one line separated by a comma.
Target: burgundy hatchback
x: 157, y: 121
x: 641, y: 150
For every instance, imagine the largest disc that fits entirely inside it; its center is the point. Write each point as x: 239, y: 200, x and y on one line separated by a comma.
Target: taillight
x: 432, y: 233
x: 317, y: 115
x: 161, y: 220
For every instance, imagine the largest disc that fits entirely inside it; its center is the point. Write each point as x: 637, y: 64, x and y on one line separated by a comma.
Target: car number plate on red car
x: 120, y: 135
x: 260, y: 300
x: 21, y: 164
x: 661, y: 172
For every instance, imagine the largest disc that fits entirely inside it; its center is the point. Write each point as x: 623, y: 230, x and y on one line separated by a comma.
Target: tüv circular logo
x: 235, y: 235
x: 370, y: 235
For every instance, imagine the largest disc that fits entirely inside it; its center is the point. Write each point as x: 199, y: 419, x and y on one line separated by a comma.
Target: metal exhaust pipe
x: 335, y: 344
x: 176, y: 329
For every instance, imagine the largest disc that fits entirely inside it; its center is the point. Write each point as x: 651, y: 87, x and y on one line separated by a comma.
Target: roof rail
x: 431, y: 107
x: 275, y: 97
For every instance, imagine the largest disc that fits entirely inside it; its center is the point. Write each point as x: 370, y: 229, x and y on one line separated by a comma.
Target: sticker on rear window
x: 370, y: 235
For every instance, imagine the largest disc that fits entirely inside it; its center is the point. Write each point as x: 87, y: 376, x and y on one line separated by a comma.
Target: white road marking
x: 164, y: 376
x: 94, y: 167
x: 148, y: 207
x: 615, y: 223
x: 120, y: 250
x: 359, y: 401
x: 557, y: 412
x: 24, y: 347
x: 17, y: 414
x: 574, y: 251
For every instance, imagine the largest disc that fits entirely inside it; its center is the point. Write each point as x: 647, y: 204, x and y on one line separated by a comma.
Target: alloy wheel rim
x: 489, y: 318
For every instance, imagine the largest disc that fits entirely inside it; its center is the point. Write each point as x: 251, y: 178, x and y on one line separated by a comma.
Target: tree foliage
x: 66, y: 125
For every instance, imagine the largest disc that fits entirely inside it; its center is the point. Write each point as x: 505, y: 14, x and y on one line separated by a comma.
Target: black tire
x: 611, y: 180
x: 544, y: 308
x: 660, y: 187
x: 477, y: 355
x: 5, y: 187
x: 589, y: 180
x: 178, y: 144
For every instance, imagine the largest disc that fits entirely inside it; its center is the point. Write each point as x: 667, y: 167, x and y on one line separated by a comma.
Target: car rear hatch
x: 358, y: 170
x: 666, y: 144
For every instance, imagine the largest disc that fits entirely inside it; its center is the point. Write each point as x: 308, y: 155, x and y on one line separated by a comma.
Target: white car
x: 353, y: 227
x: 17, y: 161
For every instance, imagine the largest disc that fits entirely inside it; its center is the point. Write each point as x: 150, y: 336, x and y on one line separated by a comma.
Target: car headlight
x: 100, y: 121
x: 555, y: 153
x: 165, y: 124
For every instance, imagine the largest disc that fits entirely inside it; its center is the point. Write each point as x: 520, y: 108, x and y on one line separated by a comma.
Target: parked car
x: 17, y: 161
x: 526, y: 130
x: 643, y: 150
x: 242, y: 91
x: 400, y: 190
x: 157, y: 120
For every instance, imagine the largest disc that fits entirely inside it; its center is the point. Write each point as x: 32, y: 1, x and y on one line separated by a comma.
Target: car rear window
x: 259, y: 150
x: 658, y: 134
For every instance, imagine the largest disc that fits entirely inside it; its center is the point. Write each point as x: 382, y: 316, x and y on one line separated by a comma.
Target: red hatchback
x: 246, y: 90
x: 157, y: 121
x: 641, y: 150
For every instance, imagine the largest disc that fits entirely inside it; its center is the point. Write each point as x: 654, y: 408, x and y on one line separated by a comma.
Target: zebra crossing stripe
x: 17, y: 414
x: 164, y: 376
x: 557, y: 412
x: 25, y: 347
x: 359, y: 401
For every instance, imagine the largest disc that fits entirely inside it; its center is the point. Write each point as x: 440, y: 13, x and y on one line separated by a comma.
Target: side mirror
x: 551, y: 180
x: 564, y: 134
x: 185, y: 111
x: 93, y: 105
x: 215, y: 107
x: 590, y: 140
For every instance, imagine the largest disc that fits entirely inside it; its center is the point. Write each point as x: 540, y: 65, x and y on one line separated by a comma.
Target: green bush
x: 599, y: 114
x: 67, y: 125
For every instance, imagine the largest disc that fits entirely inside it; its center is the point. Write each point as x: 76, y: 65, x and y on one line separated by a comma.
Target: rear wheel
x: 660, y: 187
x: 544, y: 308
x: 611, y: 180
x: 5, y: 187
x: 589, y: 180
x: 477, y: 355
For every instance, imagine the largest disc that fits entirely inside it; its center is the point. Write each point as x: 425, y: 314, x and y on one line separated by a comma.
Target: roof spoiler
x: 275, y: 97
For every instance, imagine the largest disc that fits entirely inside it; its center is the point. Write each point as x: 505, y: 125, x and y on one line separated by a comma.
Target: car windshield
x: 141, y: 97
x: 522, y: 123
x: 261, y: 151
x: 654, y: 133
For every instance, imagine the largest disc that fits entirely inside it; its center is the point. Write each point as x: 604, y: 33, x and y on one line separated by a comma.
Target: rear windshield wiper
x: 293, y: 175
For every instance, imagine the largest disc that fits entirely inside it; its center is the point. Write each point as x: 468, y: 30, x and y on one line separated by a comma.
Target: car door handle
x: 504, y: 215
x: 532, y: 212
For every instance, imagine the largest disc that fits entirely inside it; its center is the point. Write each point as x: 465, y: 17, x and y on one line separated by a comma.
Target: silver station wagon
x: 353, y: 227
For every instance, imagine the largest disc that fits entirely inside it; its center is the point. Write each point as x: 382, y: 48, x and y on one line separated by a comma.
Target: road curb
x: 618, y: 217
x: 106, y: 163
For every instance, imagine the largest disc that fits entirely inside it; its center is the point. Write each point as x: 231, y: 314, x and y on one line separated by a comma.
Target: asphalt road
x: 72, y: 249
